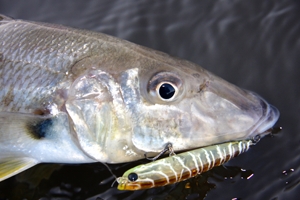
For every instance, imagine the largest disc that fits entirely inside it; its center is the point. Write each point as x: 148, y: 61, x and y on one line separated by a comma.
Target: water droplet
x: 250, y: 176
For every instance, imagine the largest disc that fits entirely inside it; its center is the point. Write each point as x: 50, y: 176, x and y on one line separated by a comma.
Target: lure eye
x: 132, y: 176
x: 166, y: 91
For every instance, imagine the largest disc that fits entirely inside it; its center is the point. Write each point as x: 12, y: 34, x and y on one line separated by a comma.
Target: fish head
x: 190, y: 107
x: 125, y: 107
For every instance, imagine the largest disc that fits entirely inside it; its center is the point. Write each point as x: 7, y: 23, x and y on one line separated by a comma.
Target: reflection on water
x: 93, y: 181
x: 253, y: 44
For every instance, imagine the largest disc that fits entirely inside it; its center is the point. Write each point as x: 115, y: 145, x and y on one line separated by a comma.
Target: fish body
x: 77, y: 96
x: 180, y: 167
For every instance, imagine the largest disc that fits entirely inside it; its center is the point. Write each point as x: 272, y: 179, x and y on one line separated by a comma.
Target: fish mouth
x: 267, y: 121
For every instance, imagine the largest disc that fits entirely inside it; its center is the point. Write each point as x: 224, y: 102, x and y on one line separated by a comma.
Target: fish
x: 182, y: 166
x: 77, y: 96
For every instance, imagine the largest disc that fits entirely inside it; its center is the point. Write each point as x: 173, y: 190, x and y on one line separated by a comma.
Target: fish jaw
x: 267, y: 121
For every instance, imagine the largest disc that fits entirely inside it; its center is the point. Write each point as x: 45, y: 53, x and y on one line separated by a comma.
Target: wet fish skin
x: 75, y: 96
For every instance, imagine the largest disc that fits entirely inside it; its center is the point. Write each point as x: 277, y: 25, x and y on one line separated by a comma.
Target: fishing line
x: 116, y: 179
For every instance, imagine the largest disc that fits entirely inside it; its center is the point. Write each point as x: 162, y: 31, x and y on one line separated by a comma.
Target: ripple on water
x: 253, y: 44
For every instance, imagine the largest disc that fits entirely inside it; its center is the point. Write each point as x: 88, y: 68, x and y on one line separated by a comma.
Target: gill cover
x: 98, y: 105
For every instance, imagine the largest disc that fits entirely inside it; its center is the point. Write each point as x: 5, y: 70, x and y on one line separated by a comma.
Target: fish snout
x: 268, y: 119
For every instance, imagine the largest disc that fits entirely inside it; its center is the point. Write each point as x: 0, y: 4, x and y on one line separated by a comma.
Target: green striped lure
x: 180, y: 167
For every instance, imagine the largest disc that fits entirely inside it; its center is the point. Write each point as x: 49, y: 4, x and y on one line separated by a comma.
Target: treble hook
x: 168, y: 147
x: 256, y: 139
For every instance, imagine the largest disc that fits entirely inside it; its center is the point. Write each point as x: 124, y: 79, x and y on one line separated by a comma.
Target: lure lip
x: 123, y: 184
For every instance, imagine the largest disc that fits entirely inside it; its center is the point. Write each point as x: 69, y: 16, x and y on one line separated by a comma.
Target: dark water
x: 253, y: 44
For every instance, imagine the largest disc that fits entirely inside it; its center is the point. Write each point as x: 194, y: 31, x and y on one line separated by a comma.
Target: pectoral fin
x: 12, y: 166
x: 19, y: 134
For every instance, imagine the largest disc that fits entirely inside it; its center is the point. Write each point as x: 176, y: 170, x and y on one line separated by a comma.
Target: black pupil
x: 132, y: 176
x: 166, y: 91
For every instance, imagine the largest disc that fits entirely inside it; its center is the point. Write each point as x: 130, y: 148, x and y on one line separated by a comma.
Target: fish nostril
x: 203, y: 86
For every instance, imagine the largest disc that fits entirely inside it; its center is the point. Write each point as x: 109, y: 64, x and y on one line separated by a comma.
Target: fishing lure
x: 180, y: 167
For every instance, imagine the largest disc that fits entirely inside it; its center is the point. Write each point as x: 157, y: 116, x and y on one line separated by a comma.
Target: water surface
x: 253, y: 44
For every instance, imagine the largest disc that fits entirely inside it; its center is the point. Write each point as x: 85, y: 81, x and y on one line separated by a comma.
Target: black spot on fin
x: 39, y: 129
x: 23, y: 126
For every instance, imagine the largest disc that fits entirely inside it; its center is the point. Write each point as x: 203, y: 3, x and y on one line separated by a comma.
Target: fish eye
x: 132, y: 176
x: 166, y: 90
x: 165, y: 87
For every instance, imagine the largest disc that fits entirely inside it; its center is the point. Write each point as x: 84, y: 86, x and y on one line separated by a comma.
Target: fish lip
x: 267, y: 121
